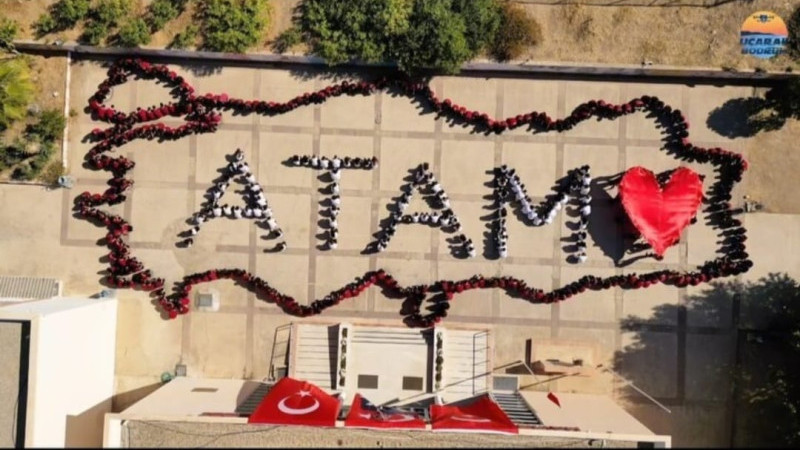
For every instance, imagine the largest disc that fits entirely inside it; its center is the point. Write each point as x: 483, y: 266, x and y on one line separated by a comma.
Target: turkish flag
x: 552, y: 397
x: 294, y: 402
x: 482, y: 415
x: 364, y: 414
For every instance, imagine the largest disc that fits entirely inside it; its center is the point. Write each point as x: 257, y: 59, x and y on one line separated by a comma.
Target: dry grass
x: 680, y: 36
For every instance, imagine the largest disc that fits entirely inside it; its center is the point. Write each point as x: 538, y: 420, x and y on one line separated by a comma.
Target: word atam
x: 508, y: 191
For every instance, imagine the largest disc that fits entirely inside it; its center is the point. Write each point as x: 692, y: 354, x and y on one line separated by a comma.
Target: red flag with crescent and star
x: 482, y: 415
x: 364, y: 414
x: 294, y: 402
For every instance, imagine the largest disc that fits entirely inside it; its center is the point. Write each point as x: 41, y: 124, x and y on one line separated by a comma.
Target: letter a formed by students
x: 441, y: 215
x: 255, y: 205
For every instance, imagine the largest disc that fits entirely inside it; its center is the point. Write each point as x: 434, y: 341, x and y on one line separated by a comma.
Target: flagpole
x: 636, y: 388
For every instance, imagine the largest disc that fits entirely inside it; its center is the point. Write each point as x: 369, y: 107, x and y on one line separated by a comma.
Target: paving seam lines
x: 555, y: 308
x: 376, y: 179
x: 315, y: 207
x: 437, y: 171
x: 255, y: 163
x: 680, y: 369
x: 619, y: 296
x: 498, y: 161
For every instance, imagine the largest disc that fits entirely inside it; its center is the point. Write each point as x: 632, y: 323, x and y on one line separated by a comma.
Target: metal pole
x: 636, y: 388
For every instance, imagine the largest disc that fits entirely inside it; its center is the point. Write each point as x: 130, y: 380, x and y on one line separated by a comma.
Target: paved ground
x: 669, y: 353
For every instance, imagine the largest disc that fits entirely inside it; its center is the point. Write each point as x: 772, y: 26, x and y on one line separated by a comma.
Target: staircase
x: 315, y: 359
x: 517, y: 409
x: 252, y: 401
x: 466, y: 364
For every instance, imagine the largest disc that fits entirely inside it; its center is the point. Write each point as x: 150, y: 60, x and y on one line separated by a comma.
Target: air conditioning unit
x: 207, y: 301
x: 505, y: 383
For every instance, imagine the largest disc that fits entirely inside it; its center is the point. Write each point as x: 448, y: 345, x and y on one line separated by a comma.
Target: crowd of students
x: 201, y: 115
x: 256, y: 206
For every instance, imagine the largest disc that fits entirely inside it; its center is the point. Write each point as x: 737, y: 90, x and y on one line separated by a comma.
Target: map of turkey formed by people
x: 658, y: 207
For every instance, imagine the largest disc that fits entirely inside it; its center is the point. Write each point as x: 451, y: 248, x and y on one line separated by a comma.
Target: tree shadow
x: 738, y: 359
x: 744, y: 117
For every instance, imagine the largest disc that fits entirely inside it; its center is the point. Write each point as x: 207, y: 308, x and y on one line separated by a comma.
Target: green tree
x: 435, y: 39
x: 63, y: 15
x: 233, y: 25
x: 185, y: 38
x: 103, y: 18
x: 16, y: 90
x: 162, y: 11
x: 8, y: 31
x: 357, y: 29
x: 517, y: 32
x: 482, y: 18
x: 134, y: 33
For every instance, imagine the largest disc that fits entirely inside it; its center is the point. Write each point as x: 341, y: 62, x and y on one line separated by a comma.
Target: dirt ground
x: 708, y: 37
x: 48, y: 75
x: 676, y: 36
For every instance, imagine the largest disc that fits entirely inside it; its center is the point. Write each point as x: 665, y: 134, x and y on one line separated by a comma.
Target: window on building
x: 412, y: 383
x: 368, y: 382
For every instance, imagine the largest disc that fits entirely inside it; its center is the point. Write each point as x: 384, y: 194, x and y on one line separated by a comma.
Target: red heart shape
x: 659, y: 214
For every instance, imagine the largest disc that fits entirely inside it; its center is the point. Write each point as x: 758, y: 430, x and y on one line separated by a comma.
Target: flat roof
x: 589, y: 413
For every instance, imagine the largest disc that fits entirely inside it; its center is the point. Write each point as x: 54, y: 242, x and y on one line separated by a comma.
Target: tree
x: 482, y: 18
x: 357, y: 29
x: 435, y: 39
x: 104, y: 17
x: 64, y: 14
x: 8, y: 31
x: 516, y: 32
x: 134, y: 33
x: 233, y: 25
x: 16, y: 90
x: 162, y: 11
x: 185, y: 38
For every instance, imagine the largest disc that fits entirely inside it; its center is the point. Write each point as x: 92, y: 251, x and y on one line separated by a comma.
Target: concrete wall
x: 71, y: 378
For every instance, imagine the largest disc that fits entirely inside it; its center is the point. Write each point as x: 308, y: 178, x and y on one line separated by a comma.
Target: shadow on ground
x: 739, y: 364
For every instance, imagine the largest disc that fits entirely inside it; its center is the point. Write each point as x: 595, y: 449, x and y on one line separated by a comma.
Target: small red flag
x: 552, y: 397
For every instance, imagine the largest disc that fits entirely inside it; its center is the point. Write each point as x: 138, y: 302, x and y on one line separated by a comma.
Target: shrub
x: 287, y: 40
x: 793, y: 46
x: 12, y: 154
x: 482, y: 18
x: 52, y: 172
x: 8, y: 31
x: 185, y: 38
x: 66, y: 13
x: 435, y: 39
x: 233, y: 25
x: 517, y: 31
x: 134, y: 33
x: 103, y: 18
x: 49, y: 127
x: 357, y: 29
x: 94, y: 33
x: 44, y: 24
x: 162, y: 11
x: 16, y: 90
x: 110, y: 12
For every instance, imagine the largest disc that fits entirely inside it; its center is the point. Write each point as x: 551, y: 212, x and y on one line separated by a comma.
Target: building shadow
x: 86, y: 429
x: 733, y: 350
